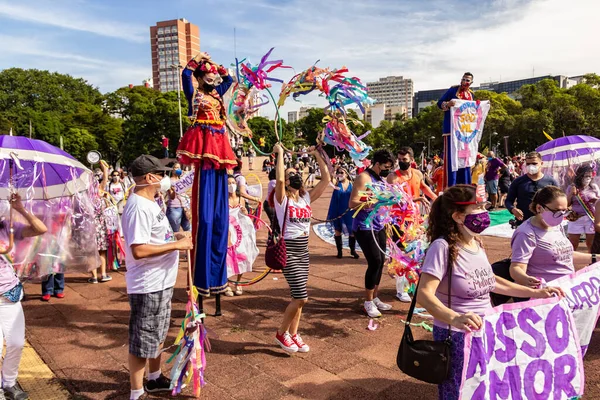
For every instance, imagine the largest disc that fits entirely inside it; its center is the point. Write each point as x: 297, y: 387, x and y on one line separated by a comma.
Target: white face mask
x: 587, y: 181
x: 165, y: 184
x: 533, y: 169
x: 232, y: 188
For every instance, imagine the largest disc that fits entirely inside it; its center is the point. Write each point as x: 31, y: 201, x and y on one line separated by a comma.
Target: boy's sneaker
x: 160, y: 384
x: 381, y: 306
x: 404, y: 297
x: 286, y: 342
x: 371, y: 309
x: 15, y: 393
x: 302, y: 347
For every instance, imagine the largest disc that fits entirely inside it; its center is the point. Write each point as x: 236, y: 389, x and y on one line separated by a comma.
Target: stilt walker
x: 206, y: 146
x: 458, y: 92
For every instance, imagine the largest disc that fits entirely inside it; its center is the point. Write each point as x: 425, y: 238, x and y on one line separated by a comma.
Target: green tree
x: 147, y: 114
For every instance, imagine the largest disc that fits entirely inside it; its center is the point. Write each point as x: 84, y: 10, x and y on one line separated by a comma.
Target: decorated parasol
x: 570, y: 150
x: 42, y: 171
x: 58, y: 189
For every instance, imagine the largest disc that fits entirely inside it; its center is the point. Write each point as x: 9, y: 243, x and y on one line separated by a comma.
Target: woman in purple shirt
x: 455, y: 221
x: 540, y: 249
x: 582, y: 197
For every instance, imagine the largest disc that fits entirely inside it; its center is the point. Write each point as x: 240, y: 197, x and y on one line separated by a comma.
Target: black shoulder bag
x: 425, y: 360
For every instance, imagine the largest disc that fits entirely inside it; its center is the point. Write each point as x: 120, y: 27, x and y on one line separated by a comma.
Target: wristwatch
x: 594, y: 258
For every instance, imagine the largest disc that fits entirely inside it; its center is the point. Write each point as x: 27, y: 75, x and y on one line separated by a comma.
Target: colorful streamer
x: 338, y: 134
x: 405, y: 228
x: 189, y: 356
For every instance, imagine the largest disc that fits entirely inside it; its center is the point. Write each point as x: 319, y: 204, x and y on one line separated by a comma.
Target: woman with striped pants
x: 292, y: 207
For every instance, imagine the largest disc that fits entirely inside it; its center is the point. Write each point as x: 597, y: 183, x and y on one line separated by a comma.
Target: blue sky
x: 433, y: 42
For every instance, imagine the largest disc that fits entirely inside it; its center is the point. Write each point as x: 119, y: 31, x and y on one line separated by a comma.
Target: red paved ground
x: 83, y: 338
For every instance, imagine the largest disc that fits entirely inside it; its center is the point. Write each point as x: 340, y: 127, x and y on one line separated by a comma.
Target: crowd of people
x: 143, y: 222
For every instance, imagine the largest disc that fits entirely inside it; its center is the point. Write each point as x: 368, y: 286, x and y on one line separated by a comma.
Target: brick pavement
x: 83, y: 338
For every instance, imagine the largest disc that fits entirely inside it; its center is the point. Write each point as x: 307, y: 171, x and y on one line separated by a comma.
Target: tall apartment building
x: 393, y: 91
x: 381, y: 112
x: 292, y: 116
x: 173, y: 43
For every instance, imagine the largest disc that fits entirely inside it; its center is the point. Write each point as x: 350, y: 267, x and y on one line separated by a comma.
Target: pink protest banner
x: 527, y: 350
x: 583, y: 296
x: 467, y: 120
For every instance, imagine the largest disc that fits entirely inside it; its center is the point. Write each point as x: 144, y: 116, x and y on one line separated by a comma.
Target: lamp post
x: 429, y: 144
x: 492, y: 134
x: 179, y: 67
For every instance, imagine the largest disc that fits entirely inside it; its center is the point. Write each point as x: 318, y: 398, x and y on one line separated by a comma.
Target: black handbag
x: 425, y: 360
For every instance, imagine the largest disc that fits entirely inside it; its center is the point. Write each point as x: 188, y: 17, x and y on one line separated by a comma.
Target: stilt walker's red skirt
x: 207, y: 147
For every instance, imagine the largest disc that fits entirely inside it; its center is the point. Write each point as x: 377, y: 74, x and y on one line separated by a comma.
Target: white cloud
x: 431, y: 42
x: 41, y: 54
x: 65, y: 17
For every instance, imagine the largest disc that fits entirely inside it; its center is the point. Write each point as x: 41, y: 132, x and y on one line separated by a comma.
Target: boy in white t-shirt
x: 152, y: 256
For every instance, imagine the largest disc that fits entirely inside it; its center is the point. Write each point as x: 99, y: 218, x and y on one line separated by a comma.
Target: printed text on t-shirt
x: 299, y: 214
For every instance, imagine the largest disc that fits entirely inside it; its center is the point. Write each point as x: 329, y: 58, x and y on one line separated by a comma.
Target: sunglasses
x: 558, y: 213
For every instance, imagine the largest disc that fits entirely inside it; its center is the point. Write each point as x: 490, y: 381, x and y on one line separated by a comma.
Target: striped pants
x: 296, y: 268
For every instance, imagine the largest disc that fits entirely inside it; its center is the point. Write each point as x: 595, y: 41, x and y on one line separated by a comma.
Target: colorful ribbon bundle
x: 190, y: 358
x: 244, y: 99
x: 340, y: 91
x: 405, y: 228
x: 302, y: 83
x: 338, y: 134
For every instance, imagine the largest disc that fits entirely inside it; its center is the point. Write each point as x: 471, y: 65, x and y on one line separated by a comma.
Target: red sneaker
x: 60, y: 295
x: 46, y: 297
x: 286, y: 343
x: 302, y: 347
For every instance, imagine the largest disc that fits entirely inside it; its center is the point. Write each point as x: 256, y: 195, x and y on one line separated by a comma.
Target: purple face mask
x: 550, y: 219
x: 478, y: 222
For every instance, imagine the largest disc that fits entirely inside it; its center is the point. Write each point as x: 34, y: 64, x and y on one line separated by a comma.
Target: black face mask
x: 207, y: 87
x: 404, y: 166
x: 384, y: 173
x: 295, y: 182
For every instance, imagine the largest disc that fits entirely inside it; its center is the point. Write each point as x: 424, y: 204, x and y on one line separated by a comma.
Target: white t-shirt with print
x: 145, y: 223
x: 298, y: 216
x: 117, y: 191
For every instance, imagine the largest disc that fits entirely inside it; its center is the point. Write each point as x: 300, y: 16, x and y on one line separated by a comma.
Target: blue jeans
x: 54, y: 284
x: 166, y: 153
x: 177, y: 218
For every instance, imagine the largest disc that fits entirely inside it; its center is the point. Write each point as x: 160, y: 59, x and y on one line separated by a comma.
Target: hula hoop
x: 265, y: 272
x: 254, y: 176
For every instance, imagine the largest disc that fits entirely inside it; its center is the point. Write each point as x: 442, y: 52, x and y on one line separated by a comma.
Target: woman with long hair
x: 455, y: 221
x: 339, y: 215
x: 207, y: 147
x: 582, y: 197
x: 293, y: 209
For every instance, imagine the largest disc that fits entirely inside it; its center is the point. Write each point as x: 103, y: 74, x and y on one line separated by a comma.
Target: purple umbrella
x: 41, y: 171
x: 570, y: 150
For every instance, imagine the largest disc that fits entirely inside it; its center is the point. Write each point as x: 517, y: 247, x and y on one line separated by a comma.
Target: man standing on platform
x: 459, y: 92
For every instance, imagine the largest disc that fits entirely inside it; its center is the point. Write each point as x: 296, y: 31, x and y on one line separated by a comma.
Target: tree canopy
x: 130, y: 121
